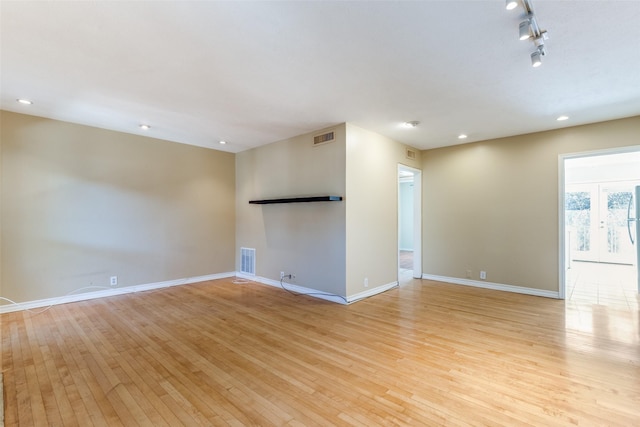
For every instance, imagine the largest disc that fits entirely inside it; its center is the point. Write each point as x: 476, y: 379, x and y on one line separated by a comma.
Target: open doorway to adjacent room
x: 409, y: 223
x: 600, y: 232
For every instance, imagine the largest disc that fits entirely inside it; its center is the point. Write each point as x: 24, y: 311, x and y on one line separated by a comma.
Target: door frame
x: 417, y: 219
x: 562, y: 244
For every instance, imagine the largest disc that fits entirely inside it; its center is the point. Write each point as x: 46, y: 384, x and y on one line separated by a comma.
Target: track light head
x: 536, y: 58
x: 511, y: 4
x: 525, y: 30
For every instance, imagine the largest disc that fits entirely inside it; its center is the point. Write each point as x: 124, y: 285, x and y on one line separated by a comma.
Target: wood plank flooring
x: 222, y: 353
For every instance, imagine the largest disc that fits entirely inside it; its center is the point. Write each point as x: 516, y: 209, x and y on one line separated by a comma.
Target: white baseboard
x: 372, y: 292
x: 295, y: 288
x: 30, y: 305
x: 494, y: 286
x: 109, y: 292
x: 320, y: 294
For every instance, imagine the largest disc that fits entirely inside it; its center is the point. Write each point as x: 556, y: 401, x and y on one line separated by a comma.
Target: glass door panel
x: 581, y: 222
x: 616, y: 246
x: 596, y: 222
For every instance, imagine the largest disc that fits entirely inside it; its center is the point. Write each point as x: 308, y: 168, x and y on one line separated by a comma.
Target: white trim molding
x: 319, y: 294
x: 48, y: 302
x: 371, y: 292
x: 493, y: 286
x: 294, y: 288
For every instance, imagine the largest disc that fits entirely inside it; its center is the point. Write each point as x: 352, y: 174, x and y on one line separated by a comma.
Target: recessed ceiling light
x: 410, y: 125
x: 462, y: 136
x: 562, y: 118
x: 511, y: 4
x: 223, y: 142
x: 145, y: 127
x: 24, y: 101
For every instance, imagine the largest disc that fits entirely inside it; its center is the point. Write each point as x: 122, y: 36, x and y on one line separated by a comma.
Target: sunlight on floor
x: 603, y: 291
x: 611, y: 285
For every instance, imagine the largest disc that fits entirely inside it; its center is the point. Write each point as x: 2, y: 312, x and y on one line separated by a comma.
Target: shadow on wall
x: 307, y: 239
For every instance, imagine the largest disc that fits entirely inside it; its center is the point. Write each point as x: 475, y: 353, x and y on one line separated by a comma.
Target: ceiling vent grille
x: 325, y: 138
x: 411, y: 154
x: 248, y: 261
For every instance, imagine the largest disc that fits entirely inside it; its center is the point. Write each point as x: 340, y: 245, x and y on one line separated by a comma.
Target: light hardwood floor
x: 219, y: 353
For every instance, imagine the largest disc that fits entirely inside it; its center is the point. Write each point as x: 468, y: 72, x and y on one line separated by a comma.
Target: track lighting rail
x: 530, y: 30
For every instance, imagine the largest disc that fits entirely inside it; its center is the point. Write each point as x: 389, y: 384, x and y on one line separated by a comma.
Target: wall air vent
x: 325, y: 138
x: 411, y: 154
x: 248, y: 261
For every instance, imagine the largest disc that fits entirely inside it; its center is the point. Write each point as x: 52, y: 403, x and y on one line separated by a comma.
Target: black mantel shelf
x: 297, y: 200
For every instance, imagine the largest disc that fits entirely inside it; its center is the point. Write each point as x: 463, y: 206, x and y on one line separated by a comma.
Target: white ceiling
x: 253, y: 73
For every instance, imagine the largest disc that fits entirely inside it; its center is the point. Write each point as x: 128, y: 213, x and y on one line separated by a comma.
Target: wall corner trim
x: 493, y: 286
x: 48, y: 302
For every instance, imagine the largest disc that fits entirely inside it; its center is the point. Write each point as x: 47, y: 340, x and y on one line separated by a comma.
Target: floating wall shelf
x: 297, y: 200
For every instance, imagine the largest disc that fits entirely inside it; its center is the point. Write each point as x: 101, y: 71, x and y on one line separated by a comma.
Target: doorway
x: 409, y: 223
x: 600, y: 249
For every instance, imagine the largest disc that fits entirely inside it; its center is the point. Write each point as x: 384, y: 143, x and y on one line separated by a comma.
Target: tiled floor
x: 610, y: 285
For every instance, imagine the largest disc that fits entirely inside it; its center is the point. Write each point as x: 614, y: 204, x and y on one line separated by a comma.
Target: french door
x: 597, y: 222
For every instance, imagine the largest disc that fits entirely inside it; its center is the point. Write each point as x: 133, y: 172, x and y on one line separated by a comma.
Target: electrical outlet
x: 483, y: 275
x: 281, y: 275
x: 366, y: 282
x: 114, y: 280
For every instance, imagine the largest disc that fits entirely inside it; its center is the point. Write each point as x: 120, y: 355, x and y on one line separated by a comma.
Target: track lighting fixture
x: 536, y: 59
x: 536, y: 56
x: 511, y: 4
x: 530, y: 30
x: 525, y: 29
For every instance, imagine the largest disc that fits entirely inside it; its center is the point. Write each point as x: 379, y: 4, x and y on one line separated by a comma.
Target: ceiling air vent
x: 411, y: 154
x: 325, y: 138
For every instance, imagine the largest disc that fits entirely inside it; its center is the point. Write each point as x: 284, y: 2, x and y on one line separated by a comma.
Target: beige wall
x: 306, y: 239
x: 372, y: 207
x: 331, y: 247
x: 81, y: 204
x: 493, y: 205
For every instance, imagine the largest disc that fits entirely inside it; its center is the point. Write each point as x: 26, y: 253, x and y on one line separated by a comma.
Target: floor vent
x: 248, y: 261
x: 325, y: 138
